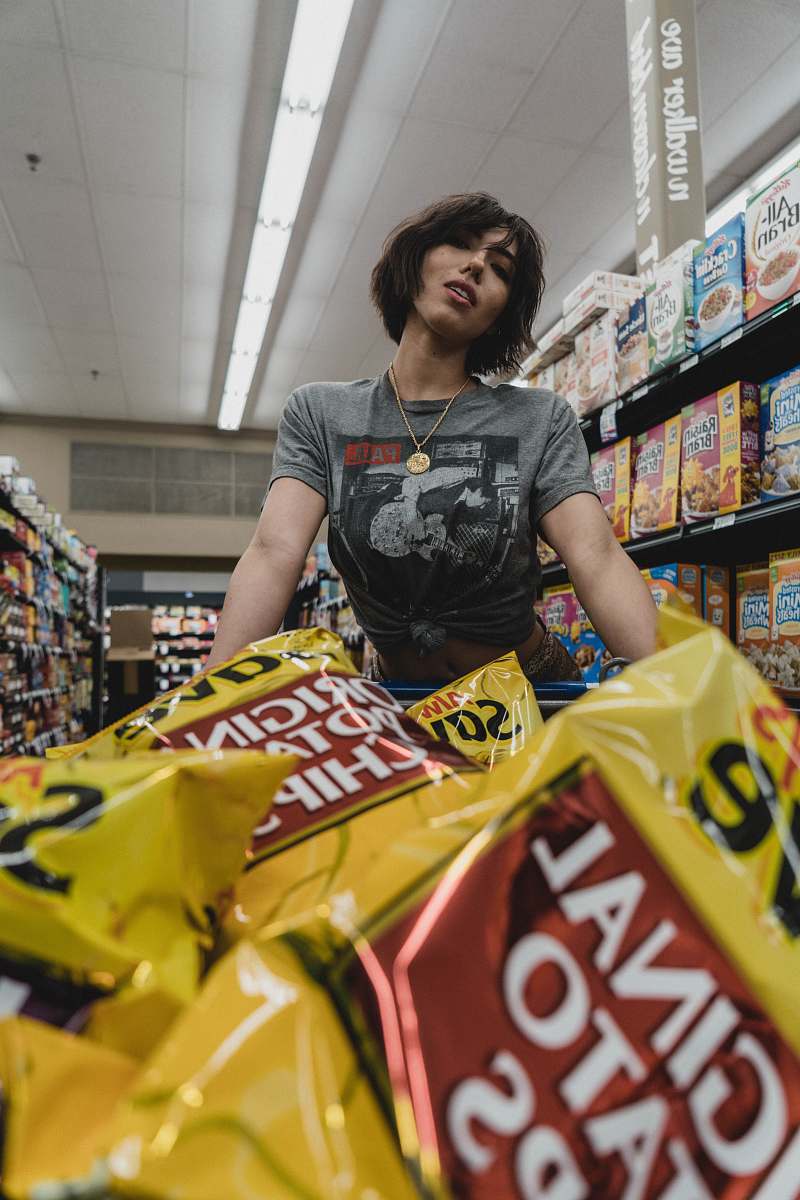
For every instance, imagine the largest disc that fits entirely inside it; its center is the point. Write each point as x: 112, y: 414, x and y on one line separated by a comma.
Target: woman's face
x: 466, y: 283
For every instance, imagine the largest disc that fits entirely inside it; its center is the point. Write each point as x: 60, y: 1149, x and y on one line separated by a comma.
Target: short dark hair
x: 397, y: 277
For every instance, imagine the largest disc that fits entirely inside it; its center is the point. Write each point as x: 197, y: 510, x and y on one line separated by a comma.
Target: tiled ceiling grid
x: 152, y: 121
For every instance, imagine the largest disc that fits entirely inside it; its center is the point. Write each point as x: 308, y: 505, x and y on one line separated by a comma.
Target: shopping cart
x: 551, y: 697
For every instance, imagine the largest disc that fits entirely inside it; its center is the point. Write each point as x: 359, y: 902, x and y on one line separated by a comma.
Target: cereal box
x: 717, y: 598
x: 594, y: 306
x: 611, y: 468
x: 719, y: 283
x: 780, y: 435
x: 544, y: 378
x: 595, y: 358
x: 554, y: 344
x: 602, y: 281
x: 682, y: 581
x: 752, y: 614
x: 720, y: 461
x: 566, y: 619
x: 772, y: 251
x: 563, y: 371
x: 656, y: 476
x: 783, y: 655
x: 632, y: 357
x: 546, y: 554
x: 670, y: 308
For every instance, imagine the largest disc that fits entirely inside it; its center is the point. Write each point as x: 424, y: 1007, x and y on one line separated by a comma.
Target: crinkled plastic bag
x: 488, y: 714
x: 112, y: 878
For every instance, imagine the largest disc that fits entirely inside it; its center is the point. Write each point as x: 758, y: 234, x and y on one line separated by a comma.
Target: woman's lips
x: 459, y: 299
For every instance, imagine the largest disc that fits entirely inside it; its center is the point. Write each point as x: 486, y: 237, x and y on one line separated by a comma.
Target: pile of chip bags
x: 573, y: 976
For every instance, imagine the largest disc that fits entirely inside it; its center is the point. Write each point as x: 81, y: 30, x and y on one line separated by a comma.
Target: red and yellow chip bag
x: 489, y: 714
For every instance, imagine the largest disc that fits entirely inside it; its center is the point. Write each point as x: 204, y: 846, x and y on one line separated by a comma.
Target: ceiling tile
x: 83, y: 352
x: 74, y: 299
x: 140, y: 357
x: 28, y: 348
x: 471, y: 92
x: 428, y: 161
x: 43, y: 387
x: 201, y: 303
x: 523, y: 172
x: 28, y: 23
x: 367, y: 141
x: 516, y: 34
x: 53, y: 224
x: 214, y: 119
x: 149, y: 31
x: 145, y: 307
x: 754, y: 35
x: 133, y: 123
x: 18, y: 299
x: 36, y: 115
x: 193, y: 401
x: 615, y: 138
x: 577, y: 91
x: 197, y: 360
x: 404, y: 34
x: 207, y: 233
x: 153, y: 397
x: 102, y: 398
x: 374, y: 362
x: 221, y: 37
x: 8, y: 247
x: 324, y: 252
x: 9, y: 397
x: 300, y: 320
x: 141, y: 236
x: 591, y: 195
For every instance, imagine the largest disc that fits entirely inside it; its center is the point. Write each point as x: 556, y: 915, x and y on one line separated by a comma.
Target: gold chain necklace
x: 419, y: 462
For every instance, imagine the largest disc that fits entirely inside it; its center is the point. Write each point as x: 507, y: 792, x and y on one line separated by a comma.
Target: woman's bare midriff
x: 456, y: 657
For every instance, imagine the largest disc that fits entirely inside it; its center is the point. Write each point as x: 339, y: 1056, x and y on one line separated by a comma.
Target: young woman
x: 434, y: 483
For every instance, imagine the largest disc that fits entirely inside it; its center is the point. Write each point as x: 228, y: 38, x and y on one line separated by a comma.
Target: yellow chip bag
x: 57, y: 1096
x: 298, y: 693
x: 112, y: 874
x: 593, y: 995
x: 489, y: 714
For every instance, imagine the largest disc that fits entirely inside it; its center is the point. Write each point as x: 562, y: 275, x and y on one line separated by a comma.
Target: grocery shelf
x: 741, y: 537
x: 755, y: 351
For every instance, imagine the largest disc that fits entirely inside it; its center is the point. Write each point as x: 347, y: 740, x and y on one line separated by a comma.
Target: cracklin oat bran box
x: 773, y: 243
x: 611, y: 470
x: 656, y: 477
x: 752, y: 613
x: 719, y: 283
x: 720, y: 460
x: 780, y: 435
x: 632, y: 358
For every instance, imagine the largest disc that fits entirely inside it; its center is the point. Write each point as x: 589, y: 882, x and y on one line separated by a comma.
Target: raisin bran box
x: 717, y: 598
x: 632, y: 355
x: 656, y: 478
x: 720, y: 460
x: 719, y: 283
x: 670, y: 308
x: 565, y: 617
x: 780, y: 435
x: 752, y: 613
x: 611, y: 469
x: 772, y: 252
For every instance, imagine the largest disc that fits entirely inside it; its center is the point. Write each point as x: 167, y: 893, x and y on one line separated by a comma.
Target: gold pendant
x: 418, y: 463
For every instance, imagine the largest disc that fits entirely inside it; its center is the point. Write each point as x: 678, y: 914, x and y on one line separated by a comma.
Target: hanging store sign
x: 665, y: 127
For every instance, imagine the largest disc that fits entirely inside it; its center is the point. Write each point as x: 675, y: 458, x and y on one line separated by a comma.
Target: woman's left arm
x: 606, y: 580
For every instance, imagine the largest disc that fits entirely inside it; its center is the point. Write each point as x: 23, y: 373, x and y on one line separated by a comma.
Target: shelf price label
x: 640, y: 391
x: 608, y: 422
x: 796, y: 299
x: 688, y: 363
x: 724, y: 522
x: 730, y: 338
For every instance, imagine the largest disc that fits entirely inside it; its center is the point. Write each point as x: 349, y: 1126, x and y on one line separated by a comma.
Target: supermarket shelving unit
x: 62, y: 641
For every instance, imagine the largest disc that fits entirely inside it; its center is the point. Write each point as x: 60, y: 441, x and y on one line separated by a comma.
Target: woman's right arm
x: 268, y: 572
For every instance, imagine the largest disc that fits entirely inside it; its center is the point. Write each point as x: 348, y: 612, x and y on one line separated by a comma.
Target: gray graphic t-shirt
x: 451, y: 551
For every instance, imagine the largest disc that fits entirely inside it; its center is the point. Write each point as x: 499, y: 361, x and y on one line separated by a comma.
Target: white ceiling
x: 124, y: 253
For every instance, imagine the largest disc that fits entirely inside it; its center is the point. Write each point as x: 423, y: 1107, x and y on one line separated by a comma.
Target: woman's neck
x: 425, y: 368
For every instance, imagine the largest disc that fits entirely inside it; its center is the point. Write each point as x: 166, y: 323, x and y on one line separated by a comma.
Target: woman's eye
x: 501, y: 271
x: 456, y: 239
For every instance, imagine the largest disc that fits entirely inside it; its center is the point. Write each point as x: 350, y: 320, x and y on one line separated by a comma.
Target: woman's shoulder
x: 535, y: 402
x: 326, y: 393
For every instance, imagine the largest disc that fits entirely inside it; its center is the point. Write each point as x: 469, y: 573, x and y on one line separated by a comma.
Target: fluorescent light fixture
x: 736, y: 202
x: 317, y: 38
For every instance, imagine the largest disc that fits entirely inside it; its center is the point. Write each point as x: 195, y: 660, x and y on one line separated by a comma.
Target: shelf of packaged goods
x: 746, y: 536
x: 755, y: 351
x: 15, y: 698
x: 8, y: 504
x: 170, y: 637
